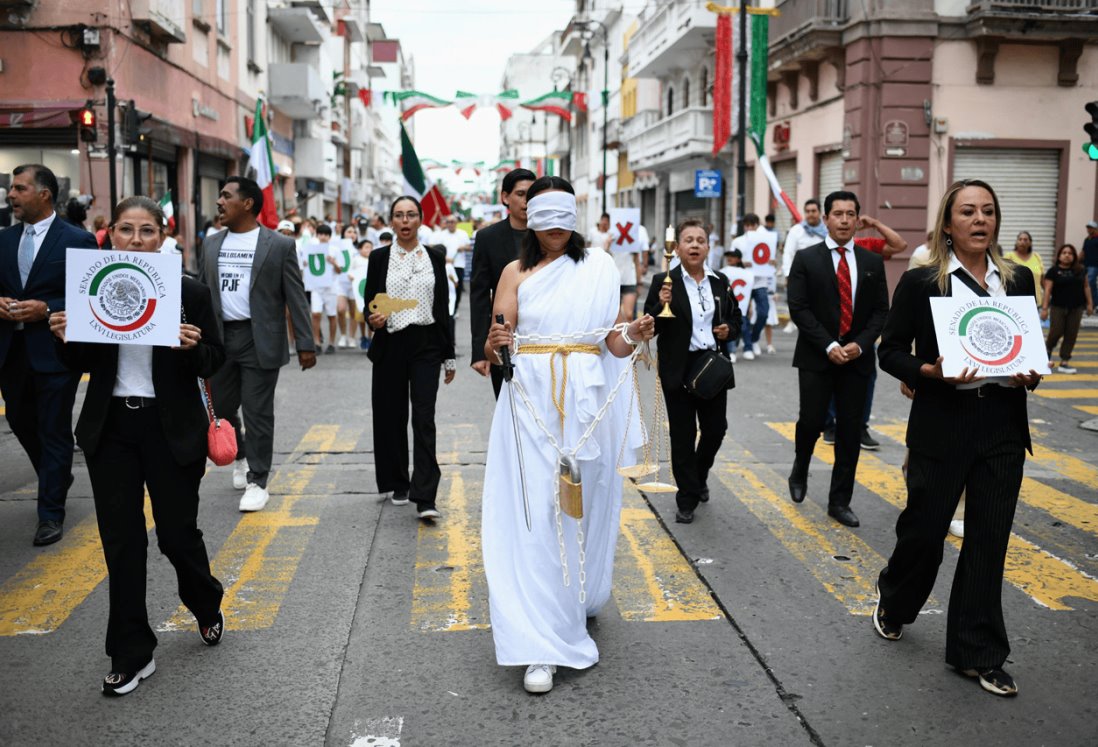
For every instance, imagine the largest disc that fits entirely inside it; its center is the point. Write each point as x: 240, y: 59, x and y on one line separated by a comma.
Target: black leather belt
x: 985, y: 391
x: 134, y: 403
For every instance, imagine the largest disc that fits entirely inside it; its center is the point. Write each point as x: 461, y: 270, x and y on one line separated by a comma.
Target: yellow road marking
x: 347, y: 441
x: 1082, y: 364
x: 258, y: 560
x: 1047, y: 579
x: 1065, y: 378
x: 45, y: 592
x: 1088, y: 409
x: 449, y: 564
x: 807, y: 533
x: 1067, y: 508
x: 1050, y: 393
x: 653, y: 582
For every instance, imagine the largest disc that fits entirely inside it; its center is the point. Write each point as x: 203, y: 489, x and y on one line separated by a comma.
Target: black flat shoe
x: 684, y: 517
x: 48, y: 532
x: 995, y: 680
x: 704, y: 495
x: 843, y: 515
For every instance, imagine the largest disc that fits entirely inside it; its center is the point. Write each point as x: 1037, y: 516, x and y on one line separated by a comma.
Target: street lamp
x: 561, y: 76
x: 588, y: 27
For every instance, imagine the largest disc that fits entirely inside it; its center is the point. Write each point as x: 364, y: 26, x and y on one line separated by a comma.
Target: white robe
x: 535, y: 618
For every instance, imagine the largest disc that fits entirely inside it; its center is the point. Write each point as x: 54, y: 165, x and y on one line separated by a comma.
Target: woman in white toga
x: 556, y: 288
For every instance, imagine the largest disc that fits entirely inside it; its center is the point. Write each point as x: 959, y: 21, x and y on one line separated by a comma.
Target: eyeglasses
x: 146, y: 233
x: 405, y: 216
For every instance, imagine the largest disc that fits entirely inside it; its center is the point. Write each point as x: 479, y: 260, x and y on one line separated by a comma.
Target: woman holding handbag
x: 694, y: 373
x: 143, y: 425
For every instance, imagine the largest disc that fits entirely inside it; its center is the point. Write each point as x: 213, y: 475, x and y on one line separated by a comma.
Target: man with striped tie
x: 838, y: 298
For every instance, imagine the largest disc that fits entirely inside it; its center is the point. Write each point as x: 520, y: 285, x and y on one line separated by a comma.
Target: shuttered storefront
x: 829, y: 175
x: 786, y: 171
x: 1027, y: 182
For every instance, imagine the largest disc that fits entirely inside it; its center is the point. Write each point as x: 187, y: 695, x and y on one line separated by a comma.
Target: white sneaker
x: 539, y: 678
x: 430, y: 513
x: 748, y: 355
x: 771, y: 350
x: 254, y: 498
x: 344, y: 342
x: 957, y: 528
x: 732, y: 357
x: 790, y: 328
x: 1065, y: 369
x: 756, y: 349
x: 240, y: 474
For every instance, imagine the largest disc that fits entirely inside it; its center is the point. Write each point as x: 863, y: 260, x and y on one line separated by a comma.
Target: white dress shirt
x: 40, y: 229
x: 852, y: 264
x: 411, y: 276
x: 702, y: 307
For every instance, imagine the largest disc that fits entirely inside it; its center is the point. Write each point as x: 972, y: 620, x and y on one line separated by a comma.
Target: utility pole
x: 605, y: 108
x: 112, y: 167
x: 741, y: 136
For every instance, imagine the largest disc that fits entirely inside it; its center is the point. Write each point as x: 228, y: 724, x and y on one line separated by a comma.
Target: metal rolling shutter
x: 1027, y: 182
x: 830, y: 174
x: 786, y: 171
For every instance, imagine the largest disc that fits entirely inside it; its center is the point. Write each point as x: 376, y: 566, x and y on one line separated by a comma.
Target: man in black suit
x: 494, y: 248
x: 39, y: 392
x: 838, y: 298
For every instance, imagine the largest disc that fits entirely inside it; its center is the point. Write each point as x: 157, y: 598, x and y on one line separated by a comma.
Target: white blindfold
x: 551, y: 210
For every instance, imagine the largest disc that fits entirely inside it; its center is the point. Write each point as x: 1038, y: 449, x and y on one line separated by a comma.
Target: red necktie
x: 846, y: 298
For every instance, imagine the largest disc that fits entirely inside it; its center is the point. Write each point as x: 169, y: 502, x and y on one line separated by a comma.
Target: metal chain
x: 598, y: 333
x: 560, y: 531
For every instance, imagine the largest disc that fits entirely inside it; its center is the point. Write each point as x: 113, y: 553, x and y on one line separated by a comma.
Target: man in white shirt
x: 456, y: 242
x: 253, y: 276
x: 757, y: 247
x: 809, y: 231
x: 600, y: 234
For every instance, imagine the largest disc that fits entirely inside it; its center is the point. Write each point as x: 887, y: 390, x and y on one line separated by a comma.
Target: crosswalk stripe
x: 1083, y: 364
x: 1067, y: 508
x: 1052, y: 393
x: 258, y: 560
x: 1065, y: 378
x: 1088, y: 409
x: 47, y: 590
x: 839, y: 560
x: 1047, y: 579
x: 450, y: 566
x: 653, y: 582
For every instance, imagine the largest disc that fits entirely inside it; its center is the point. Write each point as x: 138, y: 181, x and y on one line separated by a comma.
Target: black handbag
x: 712, y: 373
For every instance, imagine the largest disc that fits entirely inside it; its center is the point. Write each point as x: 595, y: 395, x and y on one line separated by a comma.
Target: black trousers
x: 848, y: 388
x: 990, y: 473
x: 460, y: 272
x: 133, y: 454
x: 39, y: 412
x: 240, y: 384
x: 692, y: 456
x: 496, y: 372
x: 409, y: 371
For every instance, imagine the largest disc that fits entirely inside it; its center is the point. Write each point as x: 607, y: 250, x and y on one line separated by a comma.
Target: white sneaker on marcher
x: 240, y: 474
x: 771, y: 350
x: 1065, y: 369
x: 254, y: 498
x: 539, y: 678
x: 748, y: 355
x: 790, y: 328
x: 756, y: 348
x: 732, y: 357
x: 957, y: 528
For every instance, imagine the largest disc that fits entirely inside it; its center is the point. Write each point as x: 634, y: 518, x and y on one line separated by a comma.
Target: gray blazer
x: 276, y: 285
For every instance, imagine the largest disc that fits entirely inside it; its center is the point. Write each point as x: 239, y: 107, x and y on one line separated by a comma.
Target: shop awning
x: 39, y: 114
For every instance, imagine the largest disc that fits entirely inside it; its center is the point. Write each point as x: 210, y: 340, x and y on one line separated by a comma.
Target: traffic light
x: 1091, y: 127
x: 132, y: 121
x: 86, y: 122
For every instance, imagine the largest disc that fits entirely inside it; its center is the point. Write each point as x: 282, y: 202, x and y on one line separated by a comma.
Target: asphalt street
x: 350, y: 623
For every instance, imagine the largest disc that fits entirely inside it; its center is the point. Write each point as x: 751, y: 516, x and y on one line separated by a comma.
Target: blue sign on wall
x: 707, y: 183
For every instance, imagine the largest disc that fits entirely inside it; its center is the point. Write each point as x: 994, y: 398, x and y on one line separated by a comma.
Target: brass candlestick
x: 668, y: 252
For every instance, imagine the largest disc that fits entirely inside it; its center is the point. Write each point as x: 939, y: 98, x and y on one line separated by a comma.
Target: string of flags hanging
x: 559, y: 103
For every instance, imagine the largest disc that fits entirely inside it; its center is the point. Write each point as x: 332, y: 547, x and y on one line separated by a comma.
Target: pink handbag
x: 221, y: 437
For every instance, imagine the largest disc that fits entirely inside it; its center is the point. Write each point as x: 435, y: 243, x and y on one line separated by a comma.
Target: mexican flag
x: 259, y: 160
x: 169, y: 211
x: 554, y: 102
x: 504, y: 103
x: 410, y: 102
x: 417, y: 185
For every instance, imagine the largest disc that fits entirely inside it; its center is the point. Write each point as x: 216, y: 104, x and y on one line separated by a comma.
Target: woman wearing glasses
x: 411, y: 344
x: 706, y: 315
x: 143, y: 426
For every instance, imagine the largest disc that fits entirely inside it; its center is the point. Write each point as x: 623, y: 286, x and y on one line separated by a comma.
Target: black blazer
x: 46, y: 282
x: 377, y: 272
x: 175, y: 375
x: 813, y: 296
x: 674, y: 334
x: 930, y: 426
x: 494, y: 248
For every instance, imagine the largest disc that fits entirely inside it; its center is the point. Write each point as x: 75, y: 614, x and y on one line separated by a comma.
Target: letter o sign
x: 761, y: 254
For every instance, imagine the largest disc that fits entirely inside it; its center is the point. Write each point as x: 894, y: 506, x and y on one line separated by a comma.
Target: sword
x: 508, y: 376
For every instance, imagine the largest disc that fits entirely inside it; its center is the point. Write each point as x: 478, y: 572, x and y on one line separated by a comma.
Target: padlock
x: 571, y: 487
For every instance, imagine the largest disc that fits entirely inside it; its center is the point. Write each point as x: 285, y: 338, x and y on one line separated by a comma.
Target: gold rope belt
x: 563, y: 350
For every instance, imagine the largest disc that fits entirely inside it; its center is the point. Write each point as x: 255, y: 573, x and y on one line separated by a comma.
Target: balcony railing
x: 296, y: 89
x: 671, y: 35
x: 1034, y: 6
x: 685, y: 134
x: 799, y: 17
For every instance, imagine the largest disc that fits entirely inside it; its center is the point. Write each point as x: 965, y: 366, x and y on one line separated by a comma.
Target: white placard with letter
x: 128, y: 298
x: 318, y: 269
x: 625, y: 230
x: 345, y: 250
x: 740, y: 282
x: 1000, y: 336
x: 761, y: 249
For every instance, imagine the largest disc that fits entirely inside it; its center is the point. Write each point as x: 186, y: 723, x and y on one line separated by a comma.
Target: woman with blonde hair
x: 965, y: 433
